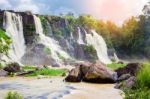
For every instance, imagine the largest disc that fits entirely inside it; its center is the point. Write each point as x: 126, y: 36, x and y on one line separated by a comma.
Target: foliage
x: 5, y: 42
x: 44, y: 24
x: 1, y: 66
x: 47, y: 72
x: 61, y: 56
x: 90, y: 52
x: 141, y: 93
x: 13, y: 95
x: 87, y: 21
x: 143, y: 77
x: 47, y: 50
x: 57, y: 32
x: 115, y: 66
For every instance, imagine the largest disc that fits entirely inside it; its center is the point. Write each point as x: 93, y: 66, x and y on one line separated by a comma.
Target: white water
x: 14, y: 29
x: 49, y: 42
x: 99, y: 44
x: 80, y: 37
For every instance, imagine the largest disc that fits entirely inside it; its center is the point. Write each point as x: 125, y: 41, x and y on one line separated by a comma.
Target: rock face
x: 61, y: 37
x: 13, y: 67
x: 92, y: 72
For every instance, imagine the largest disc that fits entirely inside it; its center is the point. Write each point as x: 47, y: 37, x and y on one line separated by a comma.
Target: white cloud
x: 4, y: 4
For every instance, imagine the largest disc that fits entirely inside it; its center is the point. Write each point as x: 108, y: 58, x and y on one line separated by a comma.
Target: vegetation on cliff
x: 5, y: 42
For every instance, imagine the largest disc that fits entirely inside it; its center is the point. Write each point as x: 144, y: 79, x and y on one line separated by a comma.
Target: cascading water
x: 80, y: 38
x: 99, y: 44
x: 14, y: 29
x: 56, y: 51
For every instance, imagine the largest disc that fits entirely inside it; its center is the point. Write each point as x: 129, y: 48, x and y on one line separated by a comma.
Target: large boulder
x: 98, y: 73
x: 13, y: 67
x: 92, y: 72
x: 131, y: 68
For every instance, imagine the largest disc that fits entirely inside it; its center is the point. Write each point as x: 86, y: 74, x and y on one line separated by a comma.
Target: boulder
x: 98, y: 73
x: 92, y: 72
x: 127, y: 84
x: 13, y: 67
x: 74, y: 75
x: 123, y: 77
x: 131, y: 68
x: 3, y: 73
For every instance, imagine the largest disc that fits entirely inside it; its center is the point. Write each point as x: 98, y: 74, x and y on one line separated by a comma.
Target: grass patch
x: 26, y: 68
x: 115, y: 66
x: 143, y: 77
x: 48, y: 72
x: 142, y: 90
x: 13, y: 95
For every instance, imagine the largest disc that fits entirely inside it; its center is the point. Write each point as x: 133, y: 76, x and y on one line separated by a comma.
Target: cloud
x: 4, y: 4
x: 115, y: 10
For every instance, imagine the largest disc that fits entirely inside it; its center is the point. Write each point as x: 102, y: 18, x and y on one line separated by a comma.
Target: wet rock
x: 98, y: 73
x: 3, y: 73
x: 127, y: 84
x: 131, y: 68
x: 123, y: 77
x: 13, y: 67
x: 74, y: 75
x: 92, y: 72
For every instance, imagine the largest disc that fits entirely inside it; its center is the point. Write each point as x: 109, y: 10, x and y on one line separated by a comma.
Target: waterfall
x: 99, y: 44
x: 80, y: 38
x: 14, y: 29
x: 56, y: 50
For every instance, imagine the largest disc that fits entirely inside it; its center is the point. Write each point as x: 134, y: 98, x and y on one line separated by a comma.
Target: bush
x: 13, y: 95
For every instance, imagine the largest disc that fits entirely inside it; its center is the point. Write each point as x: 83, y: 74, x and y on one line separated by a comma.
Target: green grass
x: 115, y: 66
x: 48, y: 72
x: 142, y: 90
x: 142, y: 93
x: 29, y: 68
x: 13, y: 95
x: 143, y: 77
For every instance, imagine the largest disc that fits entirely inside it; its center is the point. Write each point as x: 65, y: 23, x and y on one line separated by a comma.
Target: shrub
x: 13, y: 95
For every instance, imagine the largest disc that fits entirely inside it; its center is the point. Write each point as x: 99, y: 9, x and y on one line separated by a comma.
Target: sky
x: 114, y: 10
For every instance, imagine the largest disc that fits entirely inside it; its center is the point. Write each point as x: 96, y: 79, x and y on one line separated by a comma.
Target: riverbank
x: 56, y: 88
